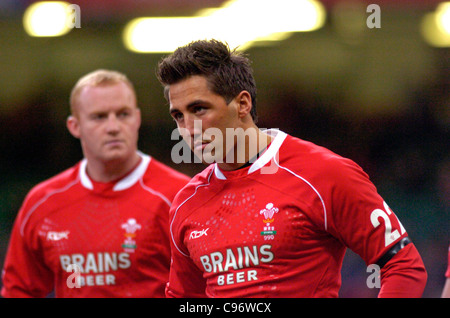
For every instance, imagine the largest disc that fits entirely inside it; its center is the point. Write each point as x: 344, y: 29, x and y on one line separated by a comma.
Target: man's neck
x: 247, y: 148
x: 111, y: 170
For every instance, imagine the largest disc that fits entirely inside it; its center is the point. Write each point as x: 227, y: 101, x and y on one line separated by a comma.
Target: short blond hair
x: 98, y: 78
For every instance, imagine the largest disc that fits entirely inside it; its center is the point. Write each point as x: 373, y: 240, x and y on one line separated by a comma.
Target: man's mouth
x: 113, y: 143
x: 200, y: 145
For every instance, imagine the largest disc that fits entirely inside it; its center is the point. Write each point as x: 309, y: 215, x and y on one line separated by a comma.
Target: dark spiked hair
x: 227, y: 72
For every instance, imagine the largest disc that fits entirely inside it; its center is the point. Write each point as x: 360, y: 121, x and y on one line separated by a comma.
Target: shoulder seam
x: 176, y: 211
x: 311, y: 186
x: 154, y: 192
x: 42, y: 200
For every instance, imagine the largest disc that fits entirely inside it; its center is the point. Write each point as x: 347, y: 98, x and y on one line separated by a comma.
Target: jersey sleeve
x: 185, y: 278
x: 363, y: 221
x: 357, y: 215
x: 404, y: 276
x: 25, y: 273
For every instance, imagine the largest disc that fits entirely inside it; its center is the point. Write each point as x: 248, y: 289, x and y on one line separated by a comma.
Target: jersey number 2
x: 389, y: 235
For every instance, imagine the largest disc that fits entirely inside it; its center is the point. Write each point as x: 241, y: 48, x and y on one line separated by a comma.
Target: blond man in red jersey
x: 100, y: 228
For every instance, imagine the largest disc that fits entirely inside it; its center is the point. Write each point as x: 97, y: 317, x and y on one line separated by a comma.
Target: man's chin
x: 207, y: 157
x: 115, y: 155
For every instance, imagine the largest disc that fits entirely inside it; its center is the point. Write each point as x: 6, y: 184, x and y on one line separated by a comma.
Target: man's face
x: 202, y: 117
x: 107, y: 122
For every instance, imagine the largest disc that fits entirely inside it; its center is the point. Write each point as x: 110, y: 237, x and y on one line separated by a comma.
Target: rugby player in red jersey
x: 272, y: 215
x: 100, y: 228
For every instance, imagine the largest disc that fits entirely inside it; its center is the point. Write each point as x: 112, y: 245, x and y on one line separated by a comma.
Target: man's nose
x: 112, y: 124
x: 192, y: 127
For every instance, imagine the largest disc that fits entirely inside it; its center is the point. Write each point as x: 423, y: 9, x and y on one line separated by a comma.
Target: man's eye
x: 177, y: 116
x: 98, y: 116
x: 198, y: 109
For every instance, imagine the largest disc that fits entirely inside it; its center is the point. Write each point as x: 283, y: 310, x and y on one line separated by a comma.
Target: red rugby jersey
x: 278, y: 228
x: 116, y: 233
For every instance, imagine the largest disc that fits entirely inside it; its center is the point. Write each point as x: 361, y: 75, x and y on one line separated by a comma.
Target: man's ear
x: 73, y: 126
x: 139, y: 114
x: 244, y: 101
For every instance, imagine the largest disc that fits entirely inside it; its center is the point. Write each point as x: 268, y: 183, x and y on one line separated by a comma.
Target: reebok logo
x: 56, y: 236
x: 197, y: 234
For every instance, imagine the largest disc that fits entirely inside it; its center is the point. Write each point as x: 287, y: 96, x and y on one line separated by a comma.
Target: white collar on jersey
x: 124, y: 183
x: 265, y: 157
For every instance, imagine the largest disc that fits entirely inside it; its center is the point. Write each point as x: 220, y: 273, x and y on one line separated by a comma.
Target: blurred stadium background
x: 379, y: 96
